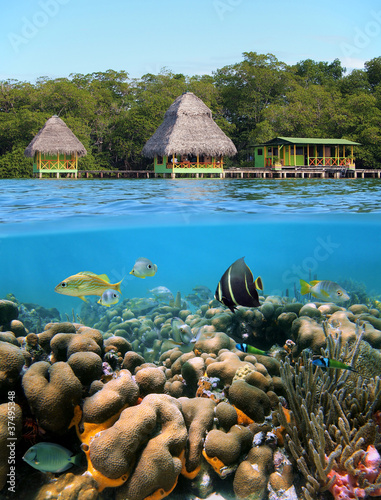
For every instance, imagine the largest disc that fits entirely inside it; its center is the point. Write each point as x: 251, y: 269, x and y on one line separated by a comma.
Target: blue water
x: 192, y: 229
x: 36, y: 200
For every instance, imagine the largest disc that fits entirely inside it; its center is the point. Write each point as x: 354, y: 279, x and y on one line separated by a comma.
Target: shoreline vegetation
x: 252, y: 101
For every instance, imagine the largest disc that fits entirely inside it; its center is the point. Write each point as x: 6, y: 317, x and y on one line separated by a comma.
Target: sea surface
x: 46, y: 199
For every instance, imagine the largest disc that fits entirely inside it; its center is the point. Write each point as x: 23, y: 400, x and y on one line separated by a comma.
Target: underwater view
x: 209, y: 339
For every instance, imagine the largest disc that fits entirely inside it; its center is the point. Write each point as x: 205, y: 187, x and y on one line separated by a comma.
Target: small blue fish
x: 331, y: 363
x: 109, y: 298
x: 51, y: 457
x: 143, y: 267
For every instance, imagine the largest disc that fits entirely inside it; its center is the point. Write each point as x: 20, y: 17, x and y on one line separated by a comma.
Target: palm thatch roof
x: 55, y: 137
x: 188, y: 128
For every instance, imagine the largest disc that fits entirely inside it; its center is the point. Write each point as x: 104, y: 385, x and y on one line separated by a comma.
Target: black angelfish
x: 237, y: 286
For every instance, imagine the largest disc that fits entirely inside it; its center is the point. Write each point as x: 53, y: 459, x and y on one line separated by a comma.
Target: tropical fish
x: 331, y: 363
x: 251, y: 349
x: 143, y: 267
x: 182, y: 332
x: 86, y: 283
x: 326, y: 291
x: 109, y: 298
x: 51, y: 457
x: 162, y: 292
x: 237, y: 286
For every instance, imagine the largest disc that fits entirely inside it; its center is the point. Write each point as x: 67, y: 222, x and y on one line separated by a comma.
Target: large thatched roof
x: 188, y: 128
x: 55, y: 137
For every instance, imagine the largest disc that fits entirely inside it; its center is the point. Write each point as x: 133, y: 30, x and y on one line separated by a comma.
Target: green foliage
x: 252, y: 101
x: 15, y: 164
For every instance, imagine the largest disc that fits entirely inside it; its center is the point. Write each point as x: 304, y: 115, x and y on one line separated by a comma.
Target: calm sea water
x: 192, y: 229
x: 38, y: 200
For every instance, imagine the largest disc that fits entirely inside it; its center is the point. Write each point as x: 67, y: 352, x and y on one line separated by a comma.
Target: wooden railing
x: 330, y: 161
x: 57, y: 165
x: 188, y: 164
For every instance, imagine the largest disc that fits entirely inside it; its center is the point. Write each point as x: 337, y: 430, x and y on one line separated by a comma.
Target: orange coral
x: 215, y: 462
x: 89, y: 432
x: 280, y: 431
x: 242, y: 418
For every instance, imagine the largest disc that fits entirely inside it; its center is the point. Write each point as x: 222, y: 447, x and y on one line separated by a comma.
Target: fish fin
x: 132, y: 272
x: 304, y: 287
x: 104, y: 277
x: 99, y: 301
x: 323, y: 292
x: 258, y: 283
x: 88, y: 273
x: 314, y: 282
x: 83, y: 298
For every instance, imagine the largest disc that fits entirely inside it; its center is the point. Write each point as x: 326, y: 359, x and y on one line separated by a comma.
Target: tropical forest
x: 253, y: 101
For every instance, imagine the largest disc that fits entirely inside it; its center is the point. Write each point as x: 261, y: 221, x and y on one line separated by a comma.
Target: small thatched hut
x: 55, y: 149
x: 188, y: 140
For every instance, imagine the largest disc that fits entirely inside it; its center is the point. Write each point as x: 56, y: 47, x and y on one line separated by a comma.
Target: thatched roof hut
x: 55, y: 138
x: 188, y: 128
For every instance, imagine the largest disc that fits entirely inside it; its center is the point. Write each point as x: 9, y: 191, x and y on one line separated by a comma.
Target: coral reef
x: 331, y: 422
x: 156, y: 414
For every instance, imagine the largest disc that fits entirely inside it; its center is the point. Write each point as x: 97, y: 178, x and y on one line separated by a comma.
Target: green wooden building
x: 188, y: 140
x: 55, y: 150
x: 304, y: 152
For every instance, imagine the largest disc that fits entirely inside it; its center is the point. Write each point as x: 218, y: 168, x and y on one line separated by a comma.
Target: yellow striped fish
x: 86, y: 283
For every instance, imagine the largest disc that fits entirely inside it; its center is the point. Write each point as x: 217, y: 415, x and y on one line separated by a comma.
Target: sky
x: 55, y: 38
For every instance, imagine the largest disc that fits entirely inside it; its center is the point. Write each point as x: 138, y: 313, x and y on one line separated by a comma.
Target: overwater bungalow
x: 55, y: 150
x: 189, y: 140
x: 282, y: 152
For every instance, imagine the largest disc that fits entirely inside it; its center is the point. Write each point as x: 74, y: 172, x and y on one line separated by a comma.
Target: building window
x: 299, y: 150
x: 159, y: 160
x: 260, y: 152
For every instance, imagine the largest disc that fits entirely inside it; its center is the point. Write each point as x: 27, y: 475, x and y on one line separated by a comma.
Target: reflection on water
x: 51, y: 199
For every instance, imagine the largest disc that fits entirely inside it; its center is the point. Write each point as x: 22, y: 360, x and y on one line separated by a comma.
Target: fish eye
x: 149, y: 266
x: 63, y: 284
x: 339, y: 292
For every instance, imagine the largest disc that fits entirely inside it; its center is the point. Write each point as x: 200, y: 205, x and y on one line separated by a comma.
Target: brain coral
x: 87, y: 366
x: 199, y: 415
x: 11, y: 362
x: 252, y: 401
x: 113, y: 396
x: 150, y: 379
x: 69, y: 487
x: 63, y: 345
x: 152, y: 436
x: 51, y: 329
x: 228, y: 447
x: 52, y: 391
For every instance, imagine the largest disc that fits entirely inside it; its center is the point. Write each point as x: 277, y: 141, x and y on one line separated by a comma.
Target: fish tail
x: 258, y: 283
x: 117, y: 286
x: 304, y: 287
x: 76, y: 459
